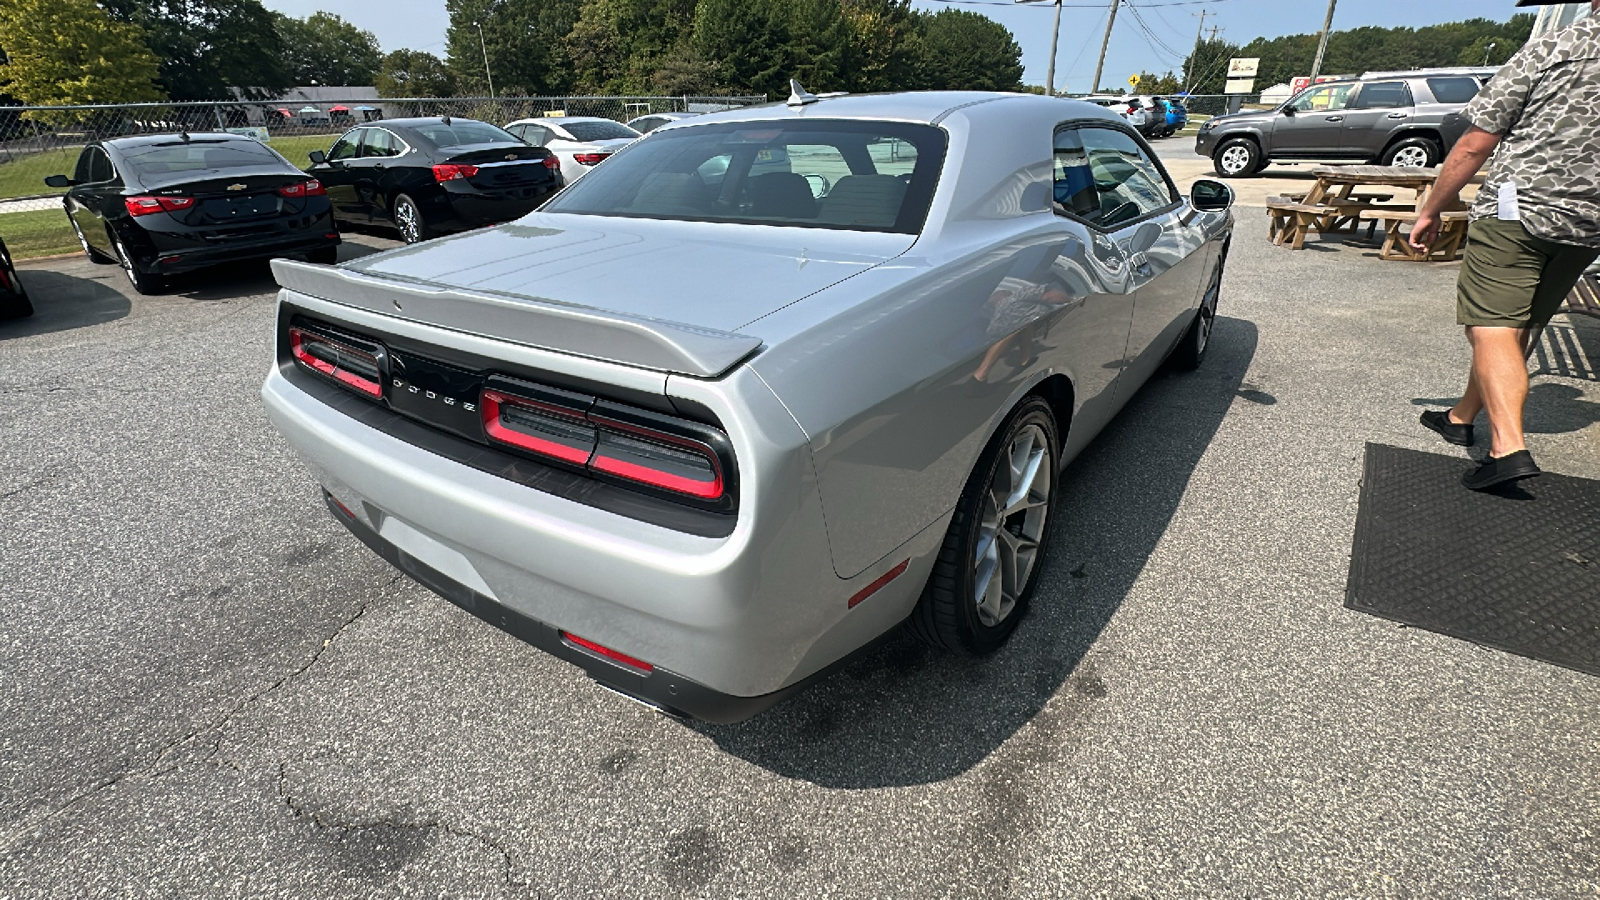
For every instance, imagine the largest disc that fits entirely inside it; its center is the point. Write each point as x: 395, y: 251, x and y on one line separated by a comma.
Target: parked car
x: 158, y: 205
x: 1177, y: 115
x: 1158, y: 111
x: 647, y: 124
x: 1389, y: 118
x: 13, y: 298
x: 580, y: 142
x: 1131, y: 112
x: 428, y: 176
x: 820, y: 416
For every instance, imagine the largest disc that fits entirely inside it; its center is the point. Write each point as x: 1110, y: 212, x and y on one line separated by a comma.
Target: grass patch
x: 43, y: 232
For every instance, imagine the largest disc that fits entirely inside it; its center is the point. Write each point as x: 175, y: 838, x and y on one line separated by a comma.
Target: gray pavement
x: 210, y: 690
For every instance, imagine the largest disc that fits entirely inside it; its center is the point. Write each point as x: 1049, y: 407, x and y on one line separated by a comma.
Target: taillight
x: 144, y: 206
x: 451, y: 172
x: 608, y: 653
x: 677, y: 457
x: 551, y: 162
x: 589, y: 159
x: 350, y: 366
x: 312, y: 188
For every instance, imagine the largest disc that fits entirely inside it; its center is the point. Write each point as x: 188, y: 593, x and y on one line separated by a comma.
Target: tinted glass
x: 1319, y: 99
x: 1453, y: 89
x: 81, y: 172
x: 100, y: 165
x: 598, y: 131
x: 461, y: 132
x: 377, y: 142
x: 345, y: 147
x: 1104, y: 177
x: 864, y: 176
x: 1383, y: 95
x: 200, y: 156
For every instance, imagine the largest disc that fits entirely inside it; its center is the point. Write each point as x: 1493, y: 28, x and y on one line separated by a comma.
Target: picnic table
x: 1333, y: 205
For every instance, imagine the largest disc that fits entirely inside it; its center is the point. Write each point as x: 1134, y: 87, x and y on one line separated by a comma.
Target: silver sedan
x: 768, y: 384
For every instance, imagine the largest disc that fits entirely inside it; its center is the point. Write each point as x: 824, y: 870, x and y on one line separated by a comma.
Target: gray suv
x: 1390, y: 118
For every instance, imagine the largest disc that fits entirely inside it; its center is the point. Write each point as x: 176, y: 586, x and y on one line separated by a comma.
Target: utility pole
x: 485, y: 48
x: 1099, y: 65
x: 1188, y: 70
x: 1322, y: 45
x: 1050, y: 70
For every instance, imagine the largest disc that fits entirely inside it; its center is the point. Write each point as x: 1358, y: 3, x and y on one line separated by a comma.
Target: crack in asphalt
x: 153, y: 768
x: 319, y: 820
x: 29, y: 486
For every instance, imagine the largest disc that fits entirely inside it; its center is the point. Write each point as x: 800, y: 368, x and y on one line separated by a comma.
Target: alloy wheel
x: 1208, y: 312
x: 1411, y: 157
x: 1014, y: 510
x: 82, y: 241
x: 125, y: 260
x: 409, y: 221
x: 1235, y: 159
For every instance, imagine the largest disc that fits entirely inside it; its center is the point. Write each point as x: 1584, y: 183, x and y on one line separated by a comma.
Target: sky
x: 420, y: 25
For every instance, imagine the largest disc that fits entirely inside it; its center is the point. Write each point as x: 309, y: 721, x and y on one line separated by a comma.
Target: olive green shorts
x: 1511, y: 279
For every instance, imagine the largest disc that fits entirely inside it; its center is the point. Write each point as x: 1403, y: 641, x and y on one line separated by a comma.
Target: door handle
x: 1140, y: 263
x: 377, y: 165
x: 1335, y: 118
x: 1398, y: 115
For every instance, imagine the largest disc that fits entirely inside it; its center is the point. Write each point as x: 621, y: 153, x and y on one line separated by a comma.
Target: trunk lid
x: 240, y: 195
x: 504, y: 166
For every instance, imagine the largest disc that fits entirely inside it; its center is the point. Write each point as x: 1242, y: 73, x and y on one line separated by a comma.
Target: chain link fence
x: 39, y: 141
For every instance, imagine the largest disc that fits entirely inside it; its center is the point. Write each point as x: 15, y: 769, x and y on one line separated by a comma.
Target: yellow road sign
x: 1133, y: 81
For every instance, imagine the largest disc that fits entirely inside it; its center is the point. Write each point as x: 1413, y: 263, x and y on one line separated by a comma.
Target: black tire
x: 95, y: 256
x: 14, y: 305
x: 1417, y: 152
x: 408, y: 219
x: 143, y: 282
x: 948, y: 615
x: 1191, y: 349
x: 326, y: 256
x: 1237, y: 158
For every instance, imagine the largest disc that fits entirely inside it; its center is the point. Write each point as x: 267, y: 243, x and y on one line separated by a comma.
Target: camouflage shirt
x: 1545, y: 105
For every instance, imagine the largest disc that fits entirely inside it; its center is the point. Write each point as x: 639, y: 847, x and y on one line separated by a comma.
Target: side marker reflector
x: 878, y: 583
x: 609, y: 653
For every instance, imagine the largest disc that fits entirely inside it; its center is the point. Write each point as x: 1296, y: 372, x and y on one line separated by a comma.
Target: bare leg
x: 1471, y: 402
x: 1499, y: 384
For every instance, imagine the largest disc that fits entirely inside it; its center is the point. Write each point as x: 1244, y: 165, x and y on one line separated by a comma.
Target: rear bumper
x: 172, y: 252
x: 466, y: 207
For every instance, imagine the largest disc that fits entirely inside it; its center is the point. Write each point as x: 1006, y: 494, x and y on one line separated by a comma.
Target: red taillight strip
x: 144, y: 206
x: 489, y: 406
x: 608, y: 653
x: 343, y: 376
x: 705, y: 490
x: 877, y: 583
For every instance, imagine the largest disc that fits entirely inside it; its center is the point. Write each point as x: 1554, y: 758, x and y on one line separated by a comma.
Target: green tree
x: 208, y: 48
x: 617, y: 46
x: 962, y: 50
x: 684, y: 71
x: 63, y: 52
x: 885, y: 45
x: 325, y: 49
x: 525, y: 41
x: 413, y: 73
x: 1150, y: 83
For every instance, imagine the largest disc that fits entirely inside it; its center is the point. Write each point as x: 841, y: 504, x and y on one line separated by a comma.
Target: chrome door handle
x: 1335, y: 118
x: 1398, y: 115
x: 1140, y: 263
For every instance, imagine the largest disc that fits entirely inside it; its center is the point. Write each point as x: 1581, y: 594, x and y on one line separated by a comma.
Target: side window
x: 1383, y: 95
x: 345, y: 147
x: 1455, y: 89
x: 377, y: 142
x: 1323, y: 99
x: 80, y: 173
x: 537, y: 135
x: 1074, y: 188
x: 99, y: 165
x: 1129, y: 183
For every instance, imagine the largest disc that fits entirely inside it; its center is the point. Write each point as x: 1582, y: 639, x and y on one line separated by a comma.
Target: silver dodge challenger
x: 765, y: 386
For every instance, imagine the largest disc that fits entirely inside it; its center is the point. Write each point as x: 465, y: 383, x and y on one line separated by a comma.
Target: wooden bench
x: 1452, y: 231
x: 1289, y: 218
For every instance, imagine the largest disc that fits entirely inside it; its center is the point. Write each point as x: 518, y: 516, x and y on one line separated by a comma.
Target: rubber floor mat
x: 1517, y: 570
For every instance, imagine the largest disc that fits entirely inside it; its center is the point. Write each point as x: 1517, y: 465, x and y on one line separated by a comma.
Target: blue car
x: 1177, y: 115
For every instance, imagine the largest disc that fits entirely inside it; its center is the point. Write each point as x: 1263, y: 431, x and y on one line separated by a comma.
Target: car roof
x: 562, y: 120
x: 921, y: 107
x: 145, y: 140
x: 414, y: 121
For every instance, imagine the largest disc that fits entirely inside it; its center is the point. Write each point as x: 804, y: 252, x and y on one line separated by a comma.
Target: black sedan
x: 162, y: 204
x: 433, y: 175
x: 13, y: 299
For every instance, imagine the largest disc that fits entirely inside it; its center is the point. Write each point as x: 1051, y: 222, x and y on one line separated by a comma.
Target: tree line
x: 66, y: 52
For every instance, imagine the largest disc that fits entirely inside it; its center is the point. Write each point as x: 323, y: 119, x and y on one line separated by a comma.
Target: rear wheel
x: 1415, y: 152
x: 13, y: 298
x: 408, y: 219
x: 1237, y: 158
x: 143, y: 282
x: 988, y: 565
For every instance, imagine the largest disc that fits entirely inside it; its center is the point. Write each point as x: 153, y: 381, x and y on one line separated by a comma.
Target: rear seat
x: 868, y: 200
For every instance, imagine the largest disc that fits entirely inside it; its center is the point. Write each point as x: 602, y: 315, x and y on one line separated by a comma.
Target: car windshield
x: 461, y: 132
x: 598, y: 131
x: 199, y: 156
x: 862, y: 176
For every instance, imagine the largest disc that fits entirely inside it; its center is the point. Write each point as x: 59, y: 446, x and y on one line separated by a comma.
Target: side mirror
x: 1210, y: 196
x: 1288, y: 110
x: 58, y: 181
x: 317, y: 157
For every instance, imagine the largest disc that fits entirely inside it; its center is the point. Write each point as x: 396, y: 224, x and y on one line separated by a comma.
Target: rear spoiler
x: 564, y: 328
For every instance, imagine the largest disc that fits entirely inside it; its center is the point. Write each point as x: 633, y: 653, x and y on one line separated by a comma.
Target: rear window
x: 860, y: 176
x: 599, y: 131
x: 199, y: 156
x: 460, y: 133
x: 1454, y: 89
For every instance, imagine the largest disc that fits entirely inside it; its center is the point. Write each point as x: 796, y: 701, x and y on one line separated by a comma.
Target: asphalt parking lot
x: 212, y: 690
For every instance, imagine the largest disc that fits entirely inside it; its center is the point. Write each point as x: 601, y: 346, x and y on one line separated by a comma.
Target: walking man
x: 1534, y: 228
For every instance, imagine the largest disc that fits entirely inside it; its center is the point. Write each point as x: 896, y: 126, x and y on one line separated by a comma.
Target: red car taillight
x: 551, y: 162
x: 312, y: 188
x: 678, y: 457
x: 451, y: 172
x: 350, y: 366
x: 144, y: 206
x: 589, y: 159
